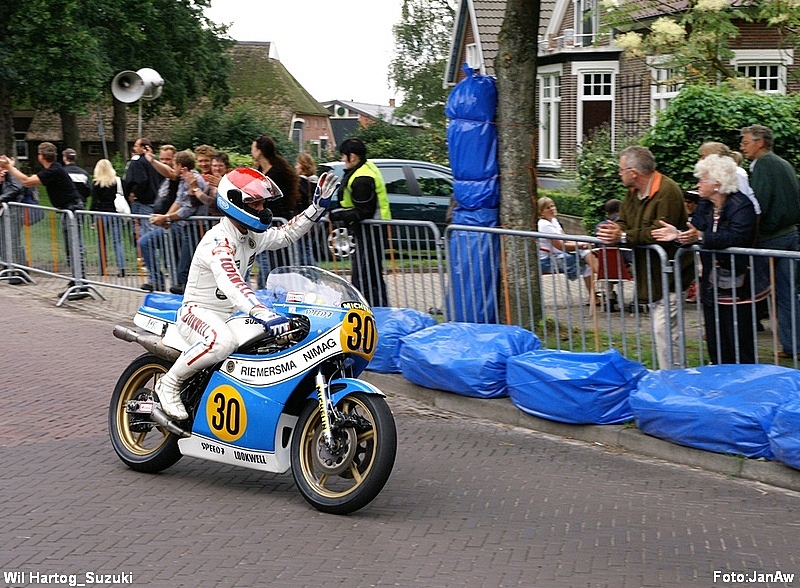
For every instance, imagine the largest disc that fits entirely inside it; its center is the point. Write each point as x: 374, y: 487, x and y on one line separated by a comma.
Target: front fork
x: 325, y: 405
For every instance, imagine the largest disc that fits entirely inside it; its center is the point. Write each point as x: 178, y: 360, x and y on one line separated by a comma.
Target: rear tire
x: 139, y: 442
x: 348, y: 477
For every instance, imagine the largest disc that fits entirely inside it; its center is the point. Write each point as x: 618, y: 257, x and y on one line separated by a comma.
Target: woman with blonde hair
x: 105, y: 186
x: 557, y: 255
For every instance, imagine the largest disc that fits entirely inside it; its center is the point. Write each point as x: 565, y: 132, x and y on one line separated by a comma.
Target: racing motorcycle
x: 291, y: 401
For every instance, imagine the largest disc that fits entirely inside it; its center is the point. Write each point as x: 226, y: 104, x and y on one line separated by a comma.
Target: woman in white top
x: 557, y: 255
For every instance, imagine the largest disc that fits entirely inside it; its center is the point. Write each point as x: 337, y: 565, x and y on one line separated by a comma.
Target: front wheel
x: 138, y: 440
x: 347, y: 474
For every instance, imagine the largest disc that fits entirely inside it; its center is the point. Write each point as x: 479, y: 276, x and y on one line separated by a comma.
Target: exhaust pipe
x: 162, y: 419
x: 149, y: 341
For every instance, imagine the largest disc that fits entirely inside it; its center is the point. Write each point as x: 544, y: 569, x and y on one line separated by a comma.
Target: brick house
x: 585, y: 81
x: 347, y: 116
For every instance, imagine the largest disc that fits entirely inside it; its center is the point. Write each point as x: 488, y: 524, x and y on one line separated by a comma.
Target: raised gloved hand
x: 326, y: 187
x: 276, y: 324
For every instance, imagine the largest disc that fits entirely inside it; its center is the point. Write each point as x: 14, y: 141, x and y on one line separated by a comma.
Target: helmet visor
x: 254, y: 185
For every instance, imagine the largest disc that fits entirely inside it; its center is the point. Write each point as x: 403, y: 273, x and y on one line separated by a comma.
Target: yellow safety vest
x: 369, y: 169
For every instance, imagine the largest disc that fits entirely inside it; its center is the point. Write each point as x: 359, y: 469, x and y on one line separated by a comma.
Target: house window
x: 765, y: 67
x: 597, y: 84
x: 662, y: 90
x: 766, y: 78
x: 585, y: 22
x: 472, y: 56
x: 297, y: 134
x: 21, y: 147
x: 596, y: 80
x: 549, y: 109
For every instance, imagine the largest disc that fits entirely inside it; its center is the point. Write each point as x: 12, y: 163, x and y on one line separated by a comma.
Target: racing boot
x: 168, y: 389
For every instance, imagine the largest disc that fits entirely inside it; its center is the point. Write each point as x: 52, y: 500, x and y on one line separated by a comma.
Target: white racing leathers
x: 216, y: 288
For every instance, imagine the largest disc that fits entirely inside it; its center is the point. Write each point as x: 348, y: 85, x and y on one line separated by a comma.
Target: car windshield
x: 311, y: 285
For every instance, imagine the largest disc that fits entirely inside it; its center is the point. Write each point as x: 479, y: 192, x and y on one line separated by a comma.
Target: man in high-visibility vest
x: 362, y: 195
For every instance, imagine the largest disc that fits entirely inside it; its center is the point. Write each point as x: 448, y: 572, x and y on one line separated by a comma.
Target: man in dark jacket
x: 775, y: 186
x: 142, y: 182
x: 652, y: 197
x: 78, y: 175
x: 11, y: 190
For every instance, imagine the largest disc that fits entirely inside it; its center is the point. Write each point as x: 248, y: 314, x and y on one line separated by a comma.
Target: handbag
x: 120, y: 202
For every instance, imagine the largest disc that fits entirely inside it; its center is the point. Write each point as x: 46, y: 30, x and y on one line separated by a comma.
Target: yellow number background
x: 226, y: 413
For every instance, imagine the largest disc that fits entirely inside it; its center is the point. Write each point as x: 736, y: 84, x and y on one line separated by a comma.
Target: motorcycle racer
x: 216, y: 288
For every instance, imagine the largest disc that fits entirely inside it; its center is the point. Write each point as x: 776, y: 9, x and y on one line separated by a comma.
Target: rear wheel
x: 139, y: 441
x: 347, y: 474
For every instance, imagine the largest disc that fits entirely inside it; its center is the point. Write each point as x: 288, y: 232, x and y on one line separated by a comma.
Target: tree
x: 231, y: 131
x: 61, y: 57
x: 174, y: 38
x: 703, y: 113
x: 695, y: 44
x: 385, y: 140
x: 422, y: 40
x: 515, y: 66
x: 49, y: 61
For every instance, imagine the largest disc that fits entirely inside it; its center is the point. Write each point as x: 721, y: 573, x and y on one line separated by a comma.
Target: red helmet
x: 238, y: 189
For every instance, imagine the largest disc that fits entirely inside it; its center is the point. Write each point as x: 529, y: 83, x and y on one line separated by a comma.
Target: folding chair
x: 611, y: 272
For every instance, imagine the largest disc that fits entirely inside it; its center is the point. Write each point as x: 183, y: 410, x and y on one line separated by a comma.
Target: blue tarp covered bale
x: 393, y: 324
x: 579, y: 388
x: 720, y: 408
x: 784, y: 435
x: 465, y: 358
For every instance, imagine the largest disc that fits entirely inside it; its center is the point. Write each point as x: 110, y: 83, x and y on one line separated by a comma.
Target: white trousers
x: 658, y: 320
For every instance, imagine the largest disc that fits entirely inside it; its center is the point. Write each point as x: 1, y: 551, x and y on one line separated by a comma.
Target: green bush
x: 598, y: 177
x: 570, y: 203
x: 232, y: 131
x: 703, y: 113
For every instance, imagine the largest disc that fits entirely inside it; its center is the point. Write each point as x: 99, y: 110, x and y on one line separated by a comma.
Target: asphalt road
x: 469, y: 504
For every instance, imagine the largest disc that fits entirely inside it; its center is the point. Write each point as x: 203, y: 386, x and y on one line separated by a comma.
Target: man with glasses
x: 652, y: 198
x: 775, y: 185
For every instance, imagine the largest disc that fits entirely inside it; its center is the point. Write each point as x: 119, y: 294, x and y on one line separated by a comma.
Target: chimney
x: 391, y: 102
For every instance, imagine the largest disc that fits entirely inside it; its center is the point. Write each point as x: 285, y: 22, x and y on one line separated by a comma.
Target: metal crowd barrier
x: 471, y: 274
x: 494, y: 276
x: 126, y: 251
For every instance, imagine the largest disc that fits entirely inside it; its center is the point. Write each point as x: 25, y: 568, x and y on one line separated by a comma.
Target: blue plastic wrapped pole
x: 472, y: 145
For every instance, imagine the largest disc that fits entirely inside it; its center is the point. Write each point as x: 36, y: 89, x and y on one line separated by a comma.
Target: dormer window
x: 586, y: 22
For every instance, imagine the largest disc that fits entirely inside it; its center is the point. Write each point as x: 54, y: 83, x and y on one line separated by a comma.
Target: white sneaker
x: 170, y: 398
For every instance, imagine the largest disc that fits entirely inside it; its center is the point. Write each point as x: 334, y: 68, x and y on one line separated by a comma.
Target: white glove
x: 326, y: 187
x: 274, y: 323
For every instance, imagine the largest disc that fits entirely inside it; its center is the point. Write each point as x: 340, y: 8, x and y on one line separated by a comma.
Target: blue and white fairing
x: 240, y: 418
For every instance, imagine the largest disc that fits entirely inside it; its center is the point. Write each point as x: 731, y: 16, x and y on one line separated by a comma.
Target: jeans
x: 566, y: 264
x: 80, y: 271
x: 110, y: 226
x: 141, y: 226
x: 785, y: 294
x: 157, y: 240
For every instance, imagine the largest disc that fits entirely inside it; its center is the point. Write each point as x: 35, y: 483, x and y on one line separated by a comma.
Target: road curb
x: 617, y: 437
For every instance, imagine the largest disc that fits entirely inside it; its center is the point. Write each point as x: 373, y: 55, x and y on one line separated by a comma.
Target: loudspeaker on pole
x: 130, y: 86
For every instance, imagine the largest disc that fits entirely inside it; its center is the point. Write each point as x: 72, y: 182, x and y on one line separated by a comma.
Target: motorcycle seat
x: 161, y: 306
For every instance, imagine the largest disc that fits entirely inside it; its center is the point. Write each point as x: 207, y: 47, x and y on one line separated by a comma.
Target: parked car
x: 417, y: 190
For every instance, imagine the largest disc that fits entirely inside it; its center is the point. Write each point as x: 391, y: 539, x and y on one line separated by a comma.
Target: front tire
x: 350, y: 476
x: 139, y: 442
